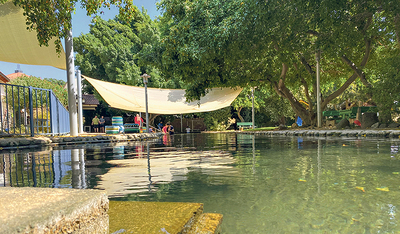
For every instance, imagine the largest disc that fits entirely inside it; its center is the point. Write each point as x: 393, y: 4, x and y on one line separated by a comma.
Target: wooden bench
x: 244, y: 125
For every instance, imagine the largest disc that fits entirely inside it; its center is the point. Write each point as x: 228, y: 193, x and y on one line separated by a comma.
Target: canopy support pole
x: 80, y: 110
x: 69, y: 57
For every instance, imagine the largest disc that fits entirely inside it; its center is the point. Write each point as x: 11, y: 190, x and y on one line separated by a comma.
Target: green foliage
x: 217, y: 120
x: 52, y: 84
x: 52, y: 19
x: 112, y: 51
x: 247, y: 43
x: 386, y: 76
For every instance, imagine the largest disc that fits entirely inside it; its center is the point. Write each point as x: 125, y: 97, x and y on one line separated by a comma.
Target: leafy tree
x: 218, y: 120
x: 245, y: 43
x: 56, y: 81
x: 386, y: 77
x: 111, y: 51
x: 53, y: 84
x: 52, y: 19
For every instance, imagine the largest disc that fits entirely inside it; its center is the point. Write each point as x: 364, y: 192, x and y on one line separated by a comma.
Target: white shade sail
x: 18, y: 45
x: 161, y: 101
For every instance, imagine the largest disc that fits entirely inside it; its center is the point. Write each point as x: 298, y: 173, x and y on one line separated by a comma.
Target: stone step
x: 161, y: 217
x: 49, y: 210
x: 207, y: 223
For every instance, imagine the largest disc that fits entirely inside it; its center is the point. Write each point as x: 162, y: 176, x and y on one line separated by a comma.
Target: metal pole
x: 80, y: 111
x: 252, y: 109
x: 69, y: 56
x: 31, y: 111
x: 147, y: 108
x: 181, y: 124
x: 319, y: 114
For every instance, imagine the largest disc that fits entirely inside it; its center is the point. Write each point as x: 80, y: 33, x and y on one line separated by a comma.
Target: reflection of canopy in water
x: 129, y: 176
x: 161, y: 101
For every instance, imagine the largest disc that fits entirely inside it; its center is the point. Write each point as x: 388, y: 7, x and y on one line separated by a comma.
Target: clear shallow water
x: 260, y: 184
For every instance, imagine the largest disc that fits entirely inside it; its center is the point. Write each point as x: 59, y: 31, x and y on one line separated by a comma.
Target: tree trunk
x: 152, y: 117
x: 238, y: 113
x: 397, y: 28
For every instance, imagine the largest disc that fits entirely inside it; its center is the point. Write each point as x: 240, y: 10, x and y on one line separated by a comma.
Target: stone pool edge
x: 31, y: 142
x: 331, y: 133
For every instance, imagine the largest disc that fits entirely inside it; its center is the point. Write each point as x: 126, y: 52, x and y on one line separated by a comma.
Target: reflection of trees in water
x: 281, y: 184
x: 290, y: 189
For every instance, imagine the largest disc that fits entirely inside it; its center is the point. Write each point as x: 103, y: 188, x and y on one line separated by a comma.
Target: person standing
x: 95, y: 124
x: 102, y: 123
x: 171, y: 130
x: 165, y: 129
x: 138, y: 120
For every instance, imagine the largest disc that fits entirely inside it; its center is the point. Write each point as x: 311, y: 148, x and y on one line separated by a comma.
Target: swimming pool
x: 261, y: 184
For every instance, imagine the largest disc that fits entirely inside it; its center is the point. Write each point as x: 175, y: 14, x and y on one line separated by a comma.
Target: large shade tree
x: 245, y: 43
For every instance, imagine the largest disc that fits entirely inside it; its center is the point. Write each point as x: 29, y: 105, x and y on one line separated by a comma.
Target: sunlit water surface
x: 260, y: 184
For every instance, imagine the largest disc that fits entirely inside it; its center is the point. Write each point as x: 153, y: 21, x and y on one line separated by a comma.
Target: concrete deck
x: 47, y: 210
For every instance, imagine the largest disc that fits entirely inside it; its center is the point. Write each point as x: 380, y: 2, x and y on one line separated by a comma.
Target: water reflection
x: 280, y: 184
x: 48, y: 168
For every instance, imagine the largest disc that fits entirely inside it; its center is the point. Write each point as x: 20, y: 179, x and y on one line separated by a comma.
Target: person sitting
x: 160, y: 125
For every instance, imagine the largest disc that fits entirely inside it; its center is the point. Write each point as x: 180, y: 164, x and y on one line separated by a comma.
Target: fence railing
x: 31, y: 111
x: 54, y: 169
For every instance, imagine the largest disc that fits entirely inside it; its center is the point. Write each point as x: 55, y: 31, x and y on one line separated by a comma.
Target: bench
x: 244, y: 124
x: 338, y: 115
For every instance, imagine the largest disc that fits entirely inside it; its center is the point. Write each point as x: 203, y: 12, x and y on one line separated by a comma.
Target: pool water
x: 260, y: 184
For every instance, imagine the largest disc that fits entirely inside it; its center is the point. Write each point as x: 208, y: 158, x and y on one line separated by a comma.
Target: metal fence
x: 31, y: 111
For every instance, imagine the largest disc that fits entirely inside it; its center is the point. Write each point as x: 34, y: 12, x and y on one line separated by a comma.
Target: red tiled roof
x: 4, y: 78
x: 16, y: 75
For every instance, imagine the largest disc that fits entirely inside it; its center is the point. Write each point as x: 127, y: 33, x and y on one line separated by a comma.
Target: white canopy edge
x: 161, y: 101
x: 18, y: 45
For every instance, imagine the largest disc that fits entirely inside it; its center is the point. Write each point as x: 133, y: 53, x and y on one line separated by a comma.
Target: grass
x: 261, y: 129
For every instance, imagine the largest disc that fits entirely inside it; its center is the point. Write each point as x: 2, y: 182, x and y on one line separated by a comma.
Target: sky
x: 80, y: 25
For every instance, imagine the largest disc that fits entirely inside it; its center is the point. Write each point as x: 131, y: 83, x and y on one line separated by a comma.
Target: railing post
x: 51, y: 113
x: 31, y: 111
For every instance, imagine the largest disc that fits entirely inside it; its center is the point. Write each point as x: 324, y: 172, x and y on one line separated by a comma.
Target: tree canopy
x: 53, y: 84
x: 245, y: 43
x: 112, y: 50
x: 52, y: 19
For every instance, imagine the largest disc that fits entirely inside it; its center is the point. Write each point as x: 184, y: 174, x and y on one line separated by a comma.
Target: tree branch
x: 285, y: 68
x: 397, y: 28
x: 351, y: 79
x: 303, y: 81
x: 305, y: 63
x: 358, y: 71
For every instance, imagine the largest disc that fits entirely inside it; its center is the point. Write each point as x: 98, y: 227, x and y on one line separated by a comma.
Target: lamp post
x: 252, y: 107
x: 145, y: 81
